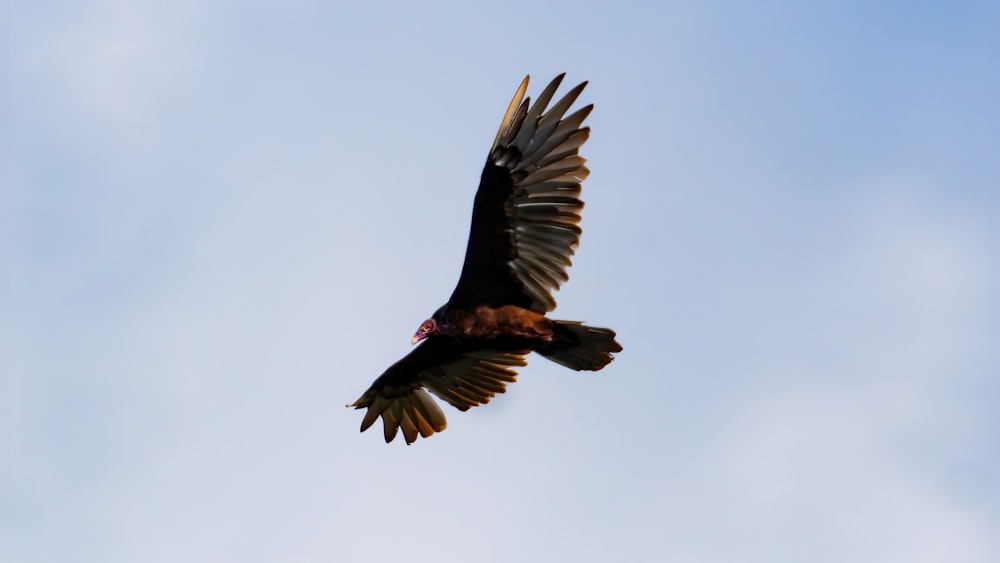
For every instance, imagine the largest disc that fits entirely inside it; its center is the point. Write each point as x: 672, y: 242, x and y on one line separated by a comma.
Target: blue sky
x: 222, y: 220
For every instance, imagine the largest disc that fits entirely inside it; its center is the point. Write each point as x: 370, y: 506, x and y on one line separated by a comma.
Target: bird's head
x: 426, y: 329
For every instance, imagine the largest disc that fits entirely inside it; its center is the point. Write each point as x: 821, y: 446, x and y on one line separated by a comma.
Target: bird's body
x: 525, y: 228
x: 490, y: 323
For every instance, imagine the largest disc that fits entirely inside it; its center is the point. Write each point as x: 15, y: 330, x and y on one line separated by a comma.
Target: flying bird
x: 525, y: 229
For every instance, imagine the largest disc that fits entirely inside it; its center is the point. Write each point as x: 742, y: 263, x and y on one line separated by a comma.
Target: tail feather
x: 581, y: 347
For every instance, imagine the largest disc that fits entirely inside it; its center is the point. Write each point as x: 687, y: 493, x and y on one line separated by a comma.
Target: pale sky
x: 222, y: 220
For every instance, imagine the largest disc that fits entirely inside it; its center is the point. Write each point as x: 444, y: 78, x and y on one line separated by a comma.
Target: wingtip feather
x: 512, y: 109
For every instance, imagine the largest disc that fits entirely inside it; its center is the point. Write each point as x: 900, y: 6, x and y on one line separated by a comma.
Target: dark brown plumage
x: 525, y: 229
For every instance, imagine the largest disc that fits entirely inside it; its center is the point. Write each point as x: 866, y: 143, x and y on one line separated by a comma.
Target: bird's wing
x: 464, y: 378
x: 525, y: 221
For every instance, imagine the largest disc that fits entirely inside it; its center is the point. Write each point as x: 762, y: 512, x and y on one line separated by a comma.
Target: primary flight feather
x: 525, y: 229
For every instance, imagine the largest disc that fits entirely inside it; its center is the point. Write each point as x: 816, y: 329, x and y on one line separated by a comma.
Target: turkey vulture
x: 525, y: 228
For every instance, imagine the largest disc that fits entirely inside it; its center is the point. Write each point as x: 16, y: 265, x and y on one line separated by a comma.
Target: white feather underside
x: 471, y: 380
x: 540, y: 148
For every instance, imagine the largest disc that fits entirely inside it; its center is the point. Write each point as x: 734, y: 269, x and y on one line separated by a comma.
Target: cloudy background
x: 221, y: 220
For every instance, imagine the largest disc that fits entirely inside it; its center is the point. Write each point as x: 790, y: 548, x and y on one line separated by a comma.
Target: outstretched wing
x: 525, y: 221
x: 444, y: 366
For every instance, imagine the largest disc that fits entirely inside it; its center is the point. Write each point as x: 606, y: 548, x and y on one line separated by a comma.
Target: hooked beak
x: 416, y: 338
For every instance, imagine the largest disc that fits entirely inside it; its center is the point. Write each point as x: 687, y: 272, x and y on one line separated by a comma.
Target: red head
x: 426, y: 329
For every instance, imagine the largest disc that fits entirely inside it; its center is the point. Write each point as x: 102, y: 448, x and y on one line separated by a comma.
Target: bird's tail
x: 581, y: 347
